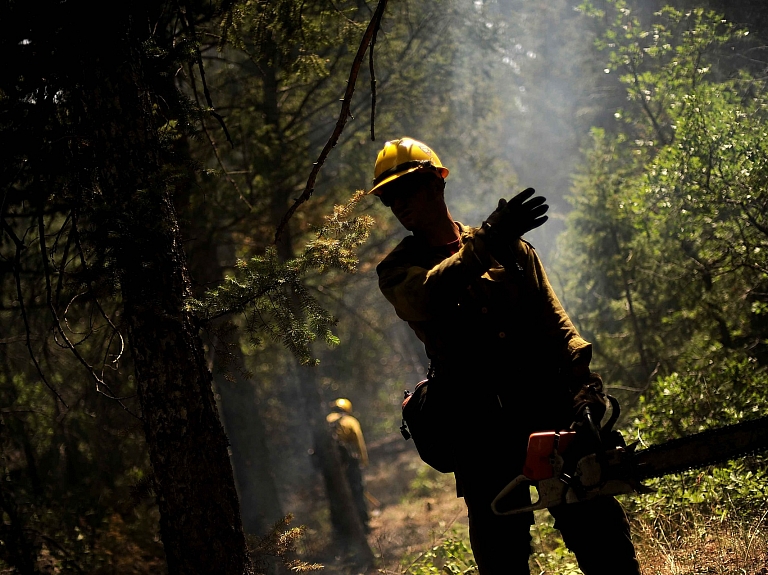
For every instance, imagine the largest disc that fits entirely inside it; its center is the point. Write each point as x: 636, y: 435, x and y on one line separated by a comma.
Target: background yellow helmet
x: 403, y: 156
x: 342, y: 404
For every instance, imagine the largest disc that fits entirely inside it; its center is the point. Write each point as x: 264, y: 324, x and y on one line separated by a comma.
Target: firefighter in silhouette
x: 503, y: 351
x: 352, y: 451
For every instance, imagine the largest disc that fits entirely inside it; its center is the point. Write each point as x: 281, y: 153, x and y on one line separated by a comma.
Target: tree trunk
x: 118, y: 147
x: 259, y: 499
x: 242, y: 418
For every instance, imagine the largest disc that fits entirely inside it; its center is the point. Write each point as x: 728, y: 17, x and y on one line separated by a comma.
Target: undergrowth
x: 426, y: 482
x: 692, y: 524
x: 549, y: 553
x: 451, y: 556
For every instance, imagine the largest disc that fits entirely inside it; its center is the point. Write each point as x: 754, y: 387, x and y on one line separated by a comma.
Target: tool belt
x: 430, y: 417
x: 444, y: 416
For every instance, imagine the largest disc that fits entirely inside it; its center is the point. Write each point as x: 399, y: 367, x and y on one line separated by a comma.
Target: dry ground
x: 419, y: 507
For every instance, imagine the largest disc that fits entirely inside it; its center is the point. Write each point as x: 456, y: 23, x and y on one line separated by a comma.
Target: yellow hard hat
x: 403, y: 156
x: 342, y: 404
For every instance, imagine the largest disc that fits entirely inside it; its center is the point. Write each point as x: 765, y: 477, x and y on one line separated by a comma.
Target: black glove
x: 588, y: 393
x: 511, y: 219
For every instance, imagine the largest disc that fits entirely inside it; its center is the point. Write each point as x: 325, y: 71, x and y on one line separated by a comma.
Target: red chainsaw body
x: 541, y: 446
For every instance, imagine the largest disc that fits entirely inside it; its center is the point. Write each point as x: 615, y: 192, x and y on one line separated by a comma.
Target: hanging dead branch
x: 373, y: 84
x: 101, y: 385
x: 368, y: 39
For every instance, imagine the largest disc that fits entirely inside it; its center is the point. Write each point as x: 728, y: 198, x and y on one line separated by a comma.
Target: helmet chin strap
x: 404, y: 167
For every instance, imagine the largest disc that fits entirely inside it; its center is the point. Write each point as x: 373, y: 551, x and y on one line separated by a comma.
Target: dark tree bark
x: 117, y: 145
x: 18, y: 549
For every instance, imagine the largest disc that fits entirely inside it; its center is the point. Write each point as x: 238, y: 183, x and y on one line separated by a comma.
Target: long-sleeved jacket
x: 448, y: 299
x: 499, y: 337
x: 349, y: 432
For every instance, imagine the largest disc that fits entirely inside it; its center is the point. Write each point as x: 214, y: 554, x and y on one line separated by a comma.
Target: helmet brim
x: 441, y: 171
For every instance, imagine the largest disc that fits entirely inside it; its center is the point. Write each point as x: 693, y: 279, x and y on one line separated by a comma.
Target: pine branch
x: 281, y: 543
x: 264, y: 288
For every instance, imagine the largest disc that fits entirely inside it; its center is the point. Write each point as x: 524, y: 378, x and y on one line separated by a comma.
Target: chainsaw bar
x: 702, y: 449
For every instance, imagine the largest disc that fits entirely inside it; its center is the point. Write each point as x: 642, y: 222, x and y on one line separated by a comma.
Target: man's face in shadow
x: 416, y: 200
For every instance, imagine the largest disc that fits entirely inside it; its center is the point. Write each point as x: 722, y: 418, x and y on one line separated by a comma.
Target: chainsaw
x: 573, y: 466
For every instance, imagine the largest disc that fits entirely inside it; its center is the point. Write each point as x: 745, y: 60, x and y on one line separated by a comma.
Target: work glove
x: 588, y: 394
x: 511, y: 219
x: 589, y: 406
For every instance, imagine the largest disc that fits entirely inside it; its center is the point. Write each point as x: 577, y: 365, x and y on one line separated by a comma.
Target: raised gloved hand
x: 511, y: 219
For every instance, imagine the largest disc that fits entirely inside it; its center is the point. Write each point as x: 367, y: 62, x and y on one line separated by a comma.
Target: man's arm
x: 575, y: 352
x: 419, y: 293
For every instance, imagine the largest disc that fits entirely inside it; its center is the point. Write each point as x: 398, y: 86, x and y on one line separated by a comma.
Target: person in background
x: 353, y: 453
x: 502, y: 347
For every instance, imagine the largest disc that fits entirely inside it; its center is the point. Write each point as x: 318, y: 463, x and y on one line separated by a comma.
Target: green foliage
x: 665, y: 249
x: 550, y: 555
x: 666, y: 244
x: 734, y: 491
x: 251, y: 25
x: 726, y: 391
x: 273, y: 295
x: 427, y: 481
x: 452, y: 557
x: 71, y: 499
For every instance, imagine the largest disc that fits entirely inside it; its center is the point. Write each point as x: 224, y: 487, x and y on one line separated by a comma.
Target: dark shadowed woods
x: 150, y: 151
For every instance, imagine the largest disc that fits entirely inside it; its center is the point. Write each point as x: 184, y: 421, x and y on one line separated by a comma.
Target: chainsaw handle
x: 519, y: 482
x: 615, y: 413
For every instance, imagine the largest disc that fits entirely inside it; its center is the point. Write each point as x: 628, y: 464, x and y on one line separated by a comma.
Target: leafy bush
x: 550, y: 555
x: 665, y: 248
x: 726, y: 391
x: 452, y: 556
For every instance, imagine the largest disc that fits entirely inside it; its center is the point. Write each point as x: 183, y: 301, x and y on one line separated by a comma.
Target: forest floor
x: 418, y: 510
x: 418, y: 506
